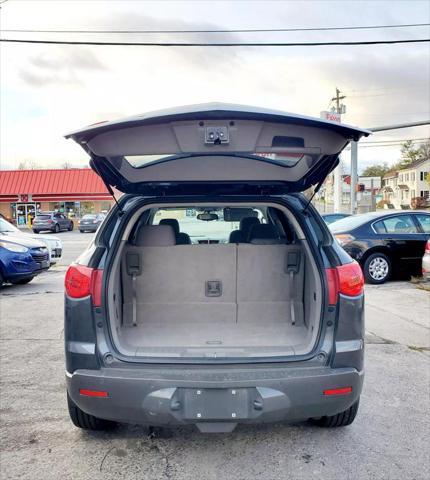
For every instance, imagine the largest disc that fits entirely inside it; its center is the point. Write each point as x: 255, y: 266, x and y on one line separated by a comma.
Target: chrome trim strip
x: 68, y: 374
x: 349, y: 346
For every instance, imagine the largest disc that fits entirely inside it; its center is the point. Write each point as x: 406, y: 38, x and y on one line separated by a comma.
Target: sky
x: 49, y: 90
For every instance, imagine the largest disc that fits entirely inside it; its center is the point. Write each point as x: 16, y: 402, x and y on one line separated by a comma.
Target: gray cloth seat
x: 264, y: 234
x: 155, y: 235
x: 181, y: 238
x: 241, y: 235
x: 236, y: 236
x: 172, y: 282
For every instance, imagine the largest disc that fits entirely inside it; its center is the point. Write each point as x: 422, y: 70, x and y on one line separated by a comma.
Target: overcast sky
x: 48, y: 90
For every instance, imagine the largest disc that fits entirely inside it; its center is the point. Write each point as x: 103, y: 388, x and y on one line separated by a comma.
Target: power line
x: 246, y: 30
x: 375, y: 94
x: 390, y: 143
x: 396, y: 141
x: 209, y: 44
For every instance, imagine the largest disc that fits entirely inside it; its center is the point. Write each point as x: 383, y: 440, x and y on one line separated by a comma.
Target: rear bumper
x: 214, y: 400
x: 88, y: 228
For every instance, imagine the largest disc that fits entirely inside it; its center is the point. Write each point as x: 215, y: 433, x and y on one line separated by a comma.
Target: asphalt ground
x: 390, y: 438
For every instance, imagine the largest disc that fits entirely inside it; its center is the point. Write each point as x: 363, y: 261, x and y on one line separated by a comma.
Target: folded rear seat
x: 184, y: 284
x: 211, y: 289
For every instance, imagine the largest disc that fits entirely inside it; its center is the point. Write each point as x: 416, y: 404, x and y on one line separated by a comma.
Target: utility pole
x: 354, y: 169
x: 340, y: 108
x: 337, y: 173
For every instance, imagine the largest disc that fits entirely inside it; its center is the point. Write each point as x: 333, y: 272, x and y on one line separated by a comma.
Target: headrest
x: 401, y: 226
x: 264, y: 234
x: 237, y: 236
x: 247, y: 223
x: 155, y: 236
x: 172, y: 222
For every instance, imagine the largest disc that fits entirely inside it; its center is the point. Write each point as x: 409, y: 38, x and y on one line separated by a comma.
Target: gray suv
x: 213, y: 293
x: 52, y: 221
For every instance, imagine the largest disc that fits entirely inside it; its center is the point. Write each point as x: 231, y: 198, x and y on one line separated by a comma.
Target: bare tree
x: 28, y: 165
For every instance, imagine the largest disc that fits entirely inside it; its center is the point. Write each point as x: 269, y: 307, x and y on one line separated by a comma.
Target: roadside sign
x: 332, y: 116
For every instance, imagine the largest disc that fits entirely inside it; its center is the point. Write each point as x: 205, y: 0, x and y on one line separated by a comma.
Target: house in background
x: 366, y: 187
x: 399, y: 188
x: 389, y: 187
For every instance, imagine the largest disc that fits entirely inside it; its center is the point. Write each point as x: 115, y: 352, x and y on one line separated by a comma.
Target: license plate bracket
x: 216, y: 403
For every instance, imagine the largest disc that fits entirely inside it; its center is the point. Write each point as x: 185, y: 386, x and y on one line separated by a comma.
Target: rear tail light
x: 82, y: 281
x: 337, y: 391
x: 50, y: 221
x: 93, y: 393
x: 344, y: 238
x: 346, y: 279
x: 427, y: 250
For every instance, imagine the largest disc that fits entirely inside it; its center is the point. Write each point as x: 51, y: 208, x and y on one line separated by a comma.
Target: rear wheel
x: 341, y: 419
x: 35, y: 231
x: 70, y: 228
x: 377, y: 268
x: 88, y: 422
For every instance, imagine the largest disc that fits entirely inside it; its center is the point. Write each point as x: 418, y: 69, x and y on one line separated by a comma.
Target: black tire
x: 23, y: 281
x: 1, y: 279
x: 341, y: 419
x: 35, y: 231
x: 56, y: 228
x: 70, y: 228
x: 83, y: 420
x: 377, y: 268
x: 82, y: 231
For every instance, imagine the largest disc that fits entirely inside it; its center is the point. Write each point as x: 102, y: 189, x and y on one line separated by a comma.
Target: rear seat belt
x: 134, y: 269
x: 293, y: 266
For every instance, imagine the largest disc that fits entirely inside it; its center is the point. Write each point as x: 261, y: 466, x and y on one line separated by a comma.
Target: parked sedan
x: 21, y: 259
x: 52, y: 221
x: 55, y: 247
x: 91, y: 222
x: 329, y: 218
x: 385, y: 244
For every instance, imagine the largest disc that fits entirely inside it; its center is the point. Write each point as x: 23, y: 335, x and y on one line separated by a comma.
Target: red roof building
x: 71, y: 191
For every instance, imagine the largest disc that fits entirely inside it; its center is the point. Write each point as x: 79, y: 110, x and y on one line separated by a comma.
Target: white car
x: 55, y: 247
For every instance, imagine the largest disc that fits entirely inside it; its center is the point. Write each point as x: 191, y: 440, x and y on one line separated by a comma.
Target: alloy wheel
x: 378, y: 268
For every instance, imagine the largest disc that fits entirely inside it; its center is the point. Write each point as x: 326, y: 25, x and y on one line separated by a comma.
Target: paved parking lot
x: 388, y: 440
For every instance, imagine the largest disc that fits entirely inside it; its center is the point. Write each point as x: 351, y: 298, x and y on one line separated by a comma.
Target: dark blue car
x: 21, y: 259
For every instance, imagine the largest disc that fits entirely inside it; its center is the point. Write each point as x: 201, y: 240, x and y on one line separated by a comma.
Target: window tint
x: 398, y: 224
x: 379, y: 227
x: 349, y: 223
x: 424, y: 221
x: 43, y: 217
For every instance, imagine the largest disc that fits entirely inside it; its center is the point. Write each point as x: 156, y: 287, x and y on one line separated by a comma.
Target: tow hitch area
x: 215, y: 409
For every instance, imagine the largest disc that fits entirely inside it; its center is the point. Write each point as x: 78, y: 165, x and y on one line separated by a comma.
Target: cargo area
x: 251, y: 291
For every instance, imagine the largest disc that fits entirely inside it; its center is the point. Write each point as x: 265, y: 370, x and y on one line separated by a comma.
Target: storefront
x: 73, y: 192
